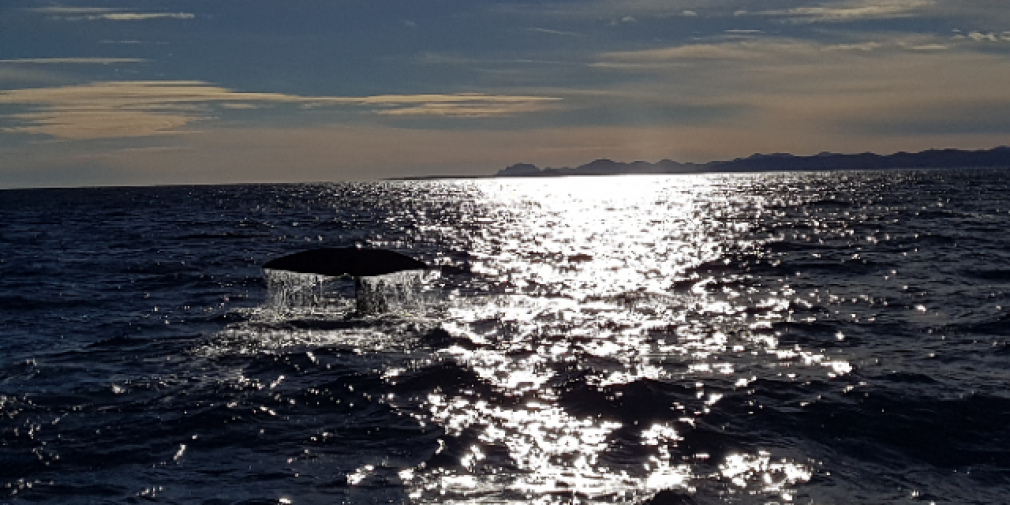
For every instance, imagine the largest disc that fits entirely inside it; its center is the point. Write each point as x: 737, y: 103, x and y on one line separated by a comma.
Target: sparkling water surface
x: 746, y: 338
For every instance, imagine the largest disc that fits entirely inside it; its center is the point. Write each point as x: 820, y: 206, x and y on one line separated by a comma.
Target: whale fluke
x: 340, y: 261
x: 357, y: 263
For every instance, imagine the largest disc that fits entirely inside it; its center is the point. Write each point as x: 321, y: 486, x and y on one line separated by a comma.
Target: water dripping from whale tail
x: 399, y: 292
x: 299, y: 293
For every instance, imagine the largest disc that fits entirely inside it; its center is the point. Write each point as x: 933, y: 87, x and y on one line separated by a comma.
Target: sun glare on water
x: 581, y: 307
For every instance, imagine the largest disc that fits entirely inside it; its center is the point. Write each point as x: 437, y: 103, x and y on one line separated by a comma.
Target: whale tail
x: 340, y: 261
x: 353, y: 262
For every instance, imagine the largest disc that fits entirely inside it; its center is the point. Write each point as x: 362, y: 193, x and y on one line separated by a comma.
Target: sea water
x: 748, y: 338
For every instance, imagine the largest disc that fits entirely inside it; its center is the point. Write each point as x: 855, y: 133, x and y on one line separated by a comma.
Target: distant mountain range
x: 933, y: 158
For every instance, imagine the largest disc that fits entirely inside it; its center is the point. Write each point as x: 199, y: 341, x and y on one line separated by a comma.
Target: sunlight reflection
x: 757, y: 471
x: 583, y: 294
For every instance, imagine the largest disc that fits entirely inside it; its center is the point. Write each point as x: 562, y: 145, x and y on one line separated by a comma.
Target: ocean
x: 829, y: 338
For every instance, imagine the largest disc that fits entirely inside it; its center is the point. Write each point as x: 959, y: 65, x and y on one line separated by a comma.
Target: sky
x: 113, y: 92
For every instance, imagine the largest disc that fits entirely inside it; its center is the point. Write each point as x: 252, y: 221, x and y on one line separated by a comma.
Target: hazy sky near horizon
x: 209, y: 91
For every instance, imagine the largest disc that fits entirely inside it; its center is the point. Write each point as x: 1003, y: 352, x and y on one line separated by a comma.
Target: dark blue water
x: 754, y: 338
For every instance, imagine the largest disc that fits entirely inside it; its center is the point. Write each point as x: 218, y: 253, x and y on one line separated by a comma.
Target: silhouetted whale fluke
x: 339, y: 261
x: 352, y: 261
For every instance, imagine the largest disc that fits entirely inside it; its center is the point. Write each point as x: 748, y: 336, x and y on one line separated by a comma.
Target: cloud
x: 112, y: 109
x: 928, y: 47
x: 551, y: 32
x: 105, y: 14
x: 754, y: 50
x: 985, y: 36
x: 74, y: 61
x: 862, y: 46
x: 238, y: 106
x: 142, y: 16
x: 742, y: 50
x: 72, y: 11
x: 851, y: 10
x: 481, y: 108
x: 96, y: 124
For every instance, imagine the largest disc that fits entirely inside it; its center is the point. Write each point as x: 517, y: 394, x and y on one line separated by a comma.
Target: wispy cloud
x: 134, y: 42
x: 141, y: 16
x: 144, y: 108
x: 106, y: 14
x: 551, y: 32
x: 757, y: 50
x: 862, y: 46
x: 851, y: 10
x: 738, y: 50
x: 984, y: 36
x: 73, y: 61
x: 72, y: 11
x: 468, y: 106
